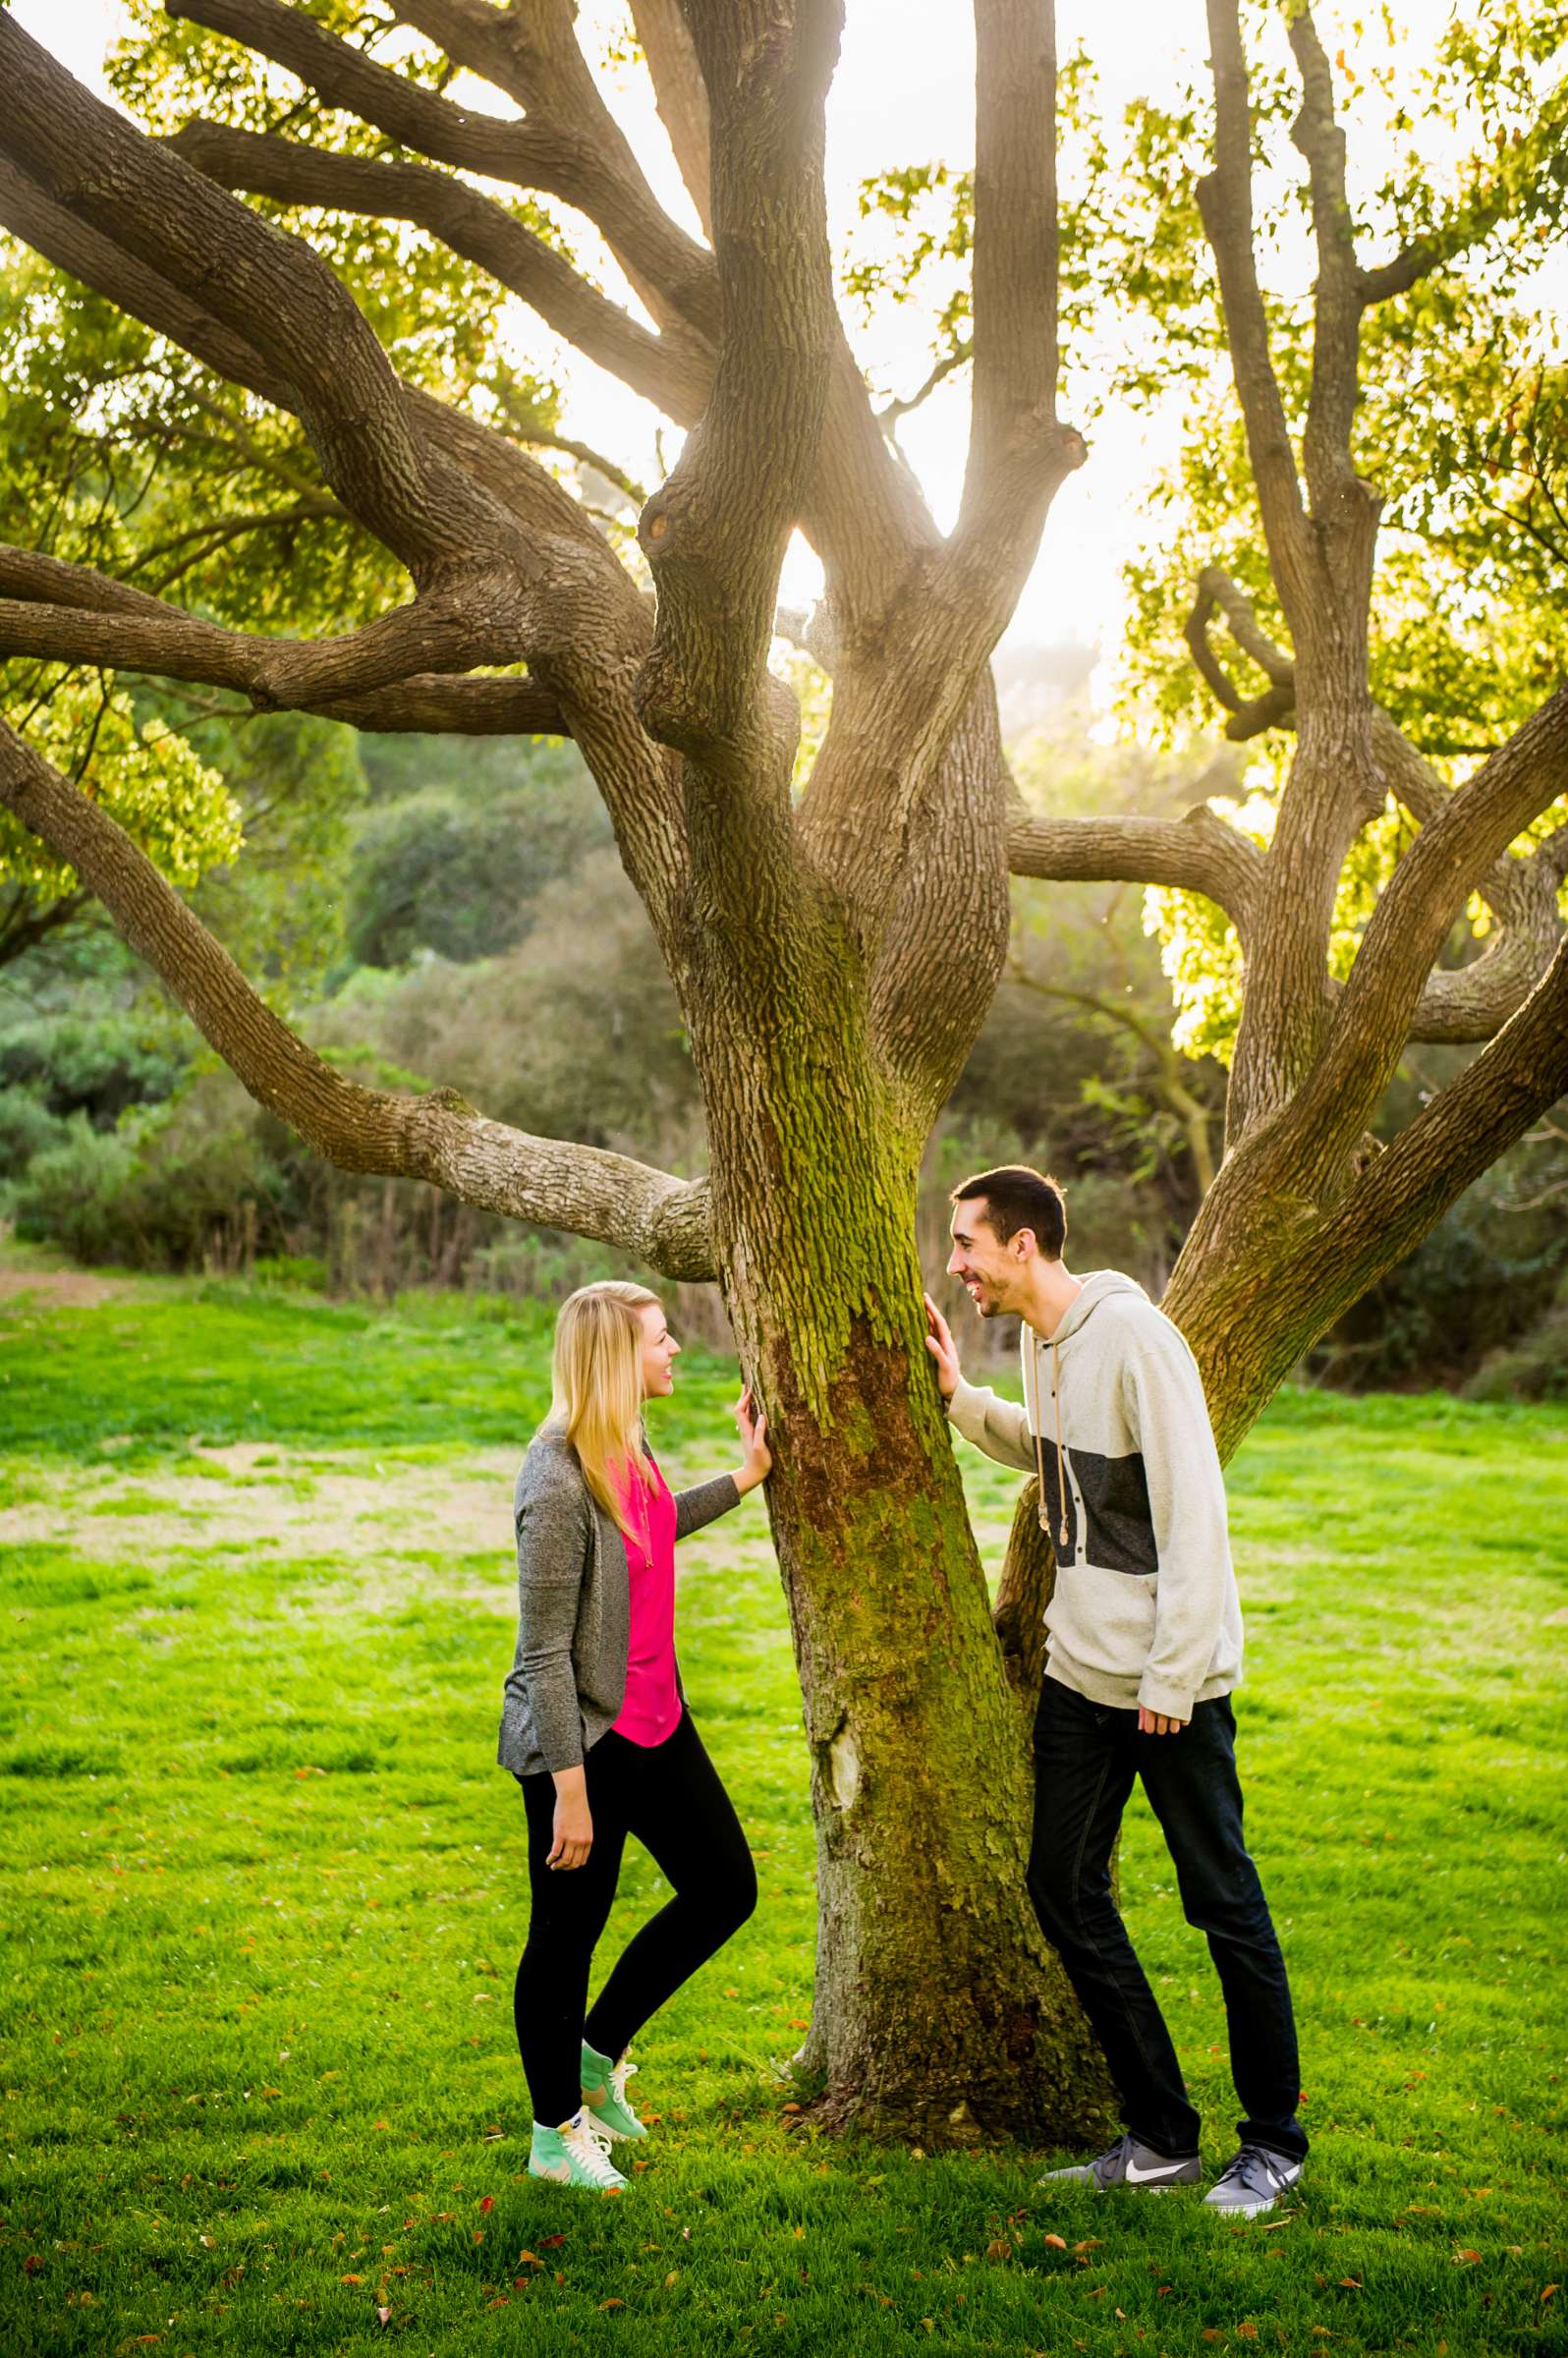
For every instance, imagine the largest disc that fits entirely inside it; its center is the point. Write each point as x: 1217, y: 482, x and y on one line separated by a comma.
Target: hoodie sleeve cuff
x: 966, y: 1410
x: 1171, y: 1702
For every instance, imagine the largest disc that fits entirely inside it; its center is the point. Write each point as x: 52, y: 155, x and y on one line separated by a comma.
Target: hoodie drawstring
x: 1061, y: 1539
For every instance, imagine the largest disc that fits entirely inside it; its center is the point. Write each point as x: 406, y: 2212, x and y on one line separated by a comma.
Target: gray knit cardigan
x: 567, y: 1682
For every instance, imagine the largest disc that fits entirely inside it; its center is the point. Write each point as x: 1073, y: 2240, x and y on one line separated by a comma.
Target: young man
x: 1144, y: 1639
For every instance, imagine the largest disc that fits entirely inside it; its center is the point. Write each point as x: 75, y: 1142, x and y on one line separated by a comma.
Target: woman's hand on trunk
x: 751, y: 1426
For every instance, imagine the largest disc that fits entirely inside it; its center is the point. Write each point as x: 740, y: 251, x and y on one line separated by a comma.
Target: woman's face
x: 659, y: 1350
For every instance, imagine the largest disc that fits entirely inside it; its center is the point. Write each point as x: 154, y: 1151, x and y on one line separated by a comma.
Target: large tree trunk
x: 940, y: 2013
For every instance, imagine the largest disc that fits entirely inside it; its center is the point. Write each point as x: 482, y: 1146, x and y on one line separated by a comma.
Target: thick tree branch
x: 581, y: 622
x: 430, y: 703
x: 265, y: 288
x: 905, y: 683
x: 1336, y: 301
x: 1413, y: 911
x: 132, y: 286
x: 1473, y: 1002
x: 1225, y: 201
x: 554, y: 151
x: 277, y: 674
x: 1014, y: 460
x: 672, y: 371
x: 1518, y: 1077
x: 1199, y: 853
x: 533, y: 55
x: 679, y: 95
x: 715, y: 534
x: 1466, y: 1003
x: 661, y: 1219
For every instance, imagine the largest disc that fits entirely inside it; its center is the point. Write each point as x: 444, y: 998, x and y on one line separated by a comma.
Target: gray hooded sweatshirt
x: 1144, y: 1609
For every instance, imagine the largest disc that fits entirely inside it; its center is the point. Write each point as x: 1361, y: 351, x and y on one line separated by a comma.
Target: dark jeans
x: 670, y: 1796
x: 1087, y: 1756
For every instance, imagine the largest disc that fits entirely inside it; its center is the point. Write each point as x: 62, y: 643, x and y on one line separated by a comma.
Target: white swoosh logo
x: 1137, y: 2176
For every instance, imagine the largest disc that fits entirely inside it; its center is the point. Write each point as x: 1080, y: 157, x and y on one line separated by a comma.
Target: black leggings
x: 670, y: 1796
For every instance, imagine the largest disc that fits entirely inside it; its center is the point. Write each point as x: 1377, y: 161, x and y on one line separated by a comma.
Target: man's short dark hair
x: 1018, y: 1197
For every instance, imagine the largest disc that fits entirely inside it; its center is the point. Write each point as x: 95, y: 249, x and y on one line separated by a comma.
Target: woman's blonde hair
x: 598, y: 1373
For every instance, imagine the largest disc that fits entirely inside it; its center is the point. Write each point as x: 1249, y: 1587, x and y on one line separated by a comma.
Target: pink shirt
x: 651, y: 1711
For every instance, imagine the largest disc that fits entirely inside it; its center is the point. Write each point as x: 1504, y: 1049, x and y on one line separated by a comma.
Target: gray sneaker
x: 1253, y: 2181
x: 1129, y: 2162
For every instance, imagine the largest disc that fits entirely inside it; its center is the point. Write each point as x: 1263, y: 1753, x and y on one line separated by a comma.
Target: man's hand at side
x: 1156, y: 1723
x: 939, y: 1343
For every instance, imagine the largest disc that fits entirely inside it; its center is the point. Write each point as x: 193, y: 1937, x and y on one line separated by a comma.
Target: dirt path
x: 71, y: 1289
x: 298, y: 1502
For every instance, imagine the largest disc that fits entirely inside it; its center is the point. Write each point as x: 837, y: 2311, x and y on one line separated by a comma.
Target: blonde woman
x: 594, y: 1726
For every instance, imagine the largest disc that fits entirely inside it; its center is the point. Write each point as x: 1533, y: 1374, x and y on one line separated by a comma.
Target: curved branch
x: 1456, y: 1137
x: 673, y: 370
x: 1199, y: 852
x: 661, y: 1219
x: 1472, y: 1002
x: 1457, y: 1004
x: 1479, y: 211
x: 1216, y: 592
x: 1413, y: 911
x: 270, y: 289
x: 570, y: 147
x: 432, y: 634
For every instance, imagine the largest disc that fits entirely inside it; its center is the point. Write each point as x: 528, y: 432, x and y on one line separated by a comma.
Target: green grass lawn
x: 264, y: 1890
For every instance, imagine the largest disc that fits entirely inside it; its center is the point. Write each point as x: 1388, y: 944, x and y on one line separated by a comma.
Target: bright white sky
x: 903, y: 94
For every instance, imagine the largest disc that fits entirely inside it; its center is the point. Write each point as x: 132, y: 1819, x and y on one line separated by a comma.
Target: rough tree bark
x: 833, y: 957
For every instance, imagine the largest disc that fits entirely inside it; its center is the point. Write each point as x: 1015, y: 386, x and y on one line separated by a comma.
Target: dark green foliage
x: 463, y: 865
x: 78, y: 1061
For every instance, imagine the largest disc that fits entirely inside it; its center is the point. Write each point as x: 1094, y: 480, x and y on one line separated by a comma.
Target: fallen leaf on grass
x: 351, y: 2279
x: 613, y: 2303
x: 1547, y: 2291
x: 1465, y: 2258
x: 529, y: 2260
x: 505, y: 2302
x: 673, y: 2277
x: 1058, y: 2243
x: 999, y: 2247
x: 1248, y: 2331
x: 383, y: 2317
x: 487, y: 2202
x: 551, y: 2241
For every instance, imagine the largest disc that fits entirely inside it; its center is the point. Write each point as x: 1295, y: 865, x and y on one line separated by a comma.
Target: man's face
x: 992, y: 1272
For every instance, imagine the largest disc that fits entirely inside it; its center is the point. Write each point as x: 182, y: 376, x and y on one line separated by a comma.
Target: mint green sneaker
x: 574, y: 2155
x: 604, y: 2094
